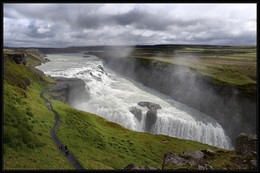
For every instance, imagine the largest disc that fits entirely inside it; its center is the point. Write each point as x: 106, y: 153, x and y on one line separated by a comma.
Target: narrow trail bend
x: 55, y: 138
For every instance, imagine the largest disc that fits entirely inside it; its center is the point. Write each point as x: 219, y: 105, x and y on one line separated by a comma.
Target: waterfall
x: 112, y: 96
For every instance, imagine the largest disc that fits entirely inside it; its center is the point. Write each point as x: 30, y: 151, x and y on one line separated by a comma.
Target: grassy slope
x: 27, y: 123
x: 100, y: 144
x: 95, y: 142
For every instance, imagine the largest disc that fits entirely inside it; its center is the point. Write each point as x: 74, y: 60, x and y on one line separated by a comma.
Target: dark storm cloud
x: 94, y: 24
x: 145, y: 20
x: 129, y: 17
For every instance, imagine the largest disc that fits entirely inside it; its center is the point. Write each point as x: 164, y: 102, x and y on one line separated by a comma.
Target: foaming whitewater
x: 111, y: 97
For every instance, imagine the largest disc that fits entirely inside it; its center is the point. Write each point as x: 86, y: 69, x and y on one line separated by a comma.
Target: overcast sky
x: 62, y: 25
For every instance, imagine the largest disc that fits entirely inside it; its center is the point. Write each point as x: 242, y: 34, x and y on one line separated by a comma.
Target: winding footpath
x: 55, y: 138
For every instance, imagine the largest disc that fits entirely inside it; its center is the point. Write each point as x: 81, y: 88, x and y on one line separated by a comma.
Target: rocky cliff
x: 69, y: 90
x: 30, y: 57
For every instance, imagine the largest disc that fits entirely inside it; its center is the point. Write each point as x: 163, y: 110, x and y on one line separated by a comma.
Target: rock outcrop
x: 137, y: 113
x: 36, y: 53
x: 19, y: 58
x: 197, y: 154
x: 246, y: 158
x: 25, y: 82
x: 246, y: 144
x: 135, y: 167
x: 29, y: 57
x: 150, y: 119
x: 193, y: 159
x: 60, y: 91
x: 149, y: 105
x: 151, y: 114
x: 69, y: 90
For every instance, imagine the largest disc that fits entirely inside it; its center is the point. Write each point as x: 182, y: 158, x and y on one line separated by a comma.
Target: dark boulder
x: 246, y: 144
x: 131, y: 167
x: 101, y: 69
x: 253, y: 164
x: 135, y: 167
x: 137, y: 113
x: 197, y: 154
x: 190, y: 159
x: 205, y: 167
x: 208, y: 153
x: 175, y: 159
x: 151, y: 117
x: 150, y: 106
x: 19, y: 58
x: 46, y: 59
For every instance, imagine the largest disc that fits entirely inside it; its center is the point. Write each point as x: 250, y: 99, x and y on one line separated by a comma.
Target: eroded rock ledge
x: 150, y: 116
x: 69, y: 90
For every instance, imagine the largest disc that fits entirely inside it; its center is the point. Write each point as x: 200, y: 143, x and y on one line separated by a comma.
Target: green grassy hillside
x: 100, y: 144
x: 27, y: 122
x: 95, y: 142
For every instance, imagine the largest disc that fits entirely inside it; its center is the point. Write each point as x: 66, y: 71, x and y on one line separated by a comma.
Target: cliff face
x: 225, y: 103
x: 69, y: 90
x: 30, y: 57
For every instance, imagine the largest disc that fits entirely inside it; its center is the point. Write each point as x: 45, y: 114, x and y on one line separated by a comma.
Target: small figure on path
x: 60, y: 147
x: 66, y: 150
x: 49, y: 105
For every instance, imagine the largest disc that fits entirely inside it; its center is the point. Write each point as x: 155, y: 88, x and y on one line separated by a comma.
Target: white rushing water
x: 111, y: 96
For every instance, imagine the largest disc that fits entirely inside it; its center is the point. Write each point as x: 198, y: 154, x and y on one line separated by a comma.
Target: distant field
x: 231, y: 64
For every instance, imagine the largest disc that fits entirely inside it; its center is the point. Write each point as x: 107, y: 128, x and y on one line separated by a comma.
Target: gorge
x: 234, y: 107
x: 112, y: 97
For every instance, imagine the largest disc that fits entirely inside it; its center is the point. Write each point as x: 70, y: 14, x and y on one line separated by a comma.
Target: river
x: 112, y: 96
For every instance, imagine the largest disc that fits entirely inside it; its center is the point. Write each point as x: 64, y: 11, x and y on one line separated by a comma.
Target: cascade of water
x: 111, y: 97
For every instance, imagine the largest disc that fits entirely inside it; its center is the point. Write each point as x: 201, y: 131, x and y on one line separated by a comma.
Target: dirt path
x: 55, y: 138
